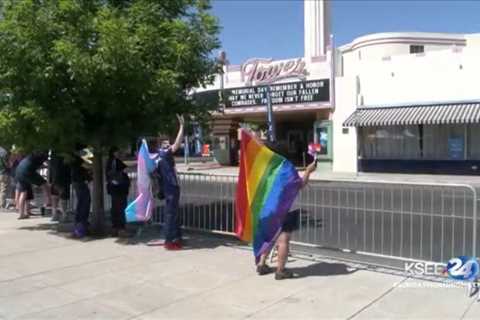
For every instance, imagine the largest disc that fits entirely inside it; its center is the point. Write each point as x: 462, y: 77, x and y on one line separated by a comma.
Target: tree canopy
x: 100, y: 72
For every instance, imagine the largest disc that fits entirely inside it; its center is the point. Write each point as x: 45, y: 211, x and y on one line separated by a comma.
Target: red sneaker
x: 172, y: 246
x: 178, y: 244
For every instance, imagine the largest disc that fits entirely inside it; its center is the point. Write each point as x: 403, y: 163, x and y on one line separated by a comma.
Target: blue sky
x: 274, y: 28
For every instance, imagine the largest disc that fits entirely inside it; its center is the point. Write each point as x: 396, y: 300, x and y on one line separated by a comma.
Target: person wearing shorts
x: 26, y: 175
x: 290, y: 224
x: 14, y: 160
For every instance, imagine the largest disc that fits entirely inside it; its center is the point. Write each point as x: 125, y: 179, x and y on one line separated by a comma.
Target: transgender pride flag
x: 141, y: 208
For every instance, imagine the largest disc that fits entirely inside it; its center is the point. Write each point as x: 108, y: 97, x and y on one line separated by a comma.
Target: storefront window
x: 436, y: 142
x: 445, y: 142
x: 399, y: 142
x: 473, y: 142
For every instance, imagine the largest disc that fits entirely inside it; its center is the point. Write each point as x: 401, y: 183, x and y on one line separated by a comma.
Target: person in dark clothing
x: 4, y: 177
x: 80, y: 179
x: 14, y: 161
x: 60, y: 179
x: 171, y: 188
x: 118, y: 185
x: 26, y: 175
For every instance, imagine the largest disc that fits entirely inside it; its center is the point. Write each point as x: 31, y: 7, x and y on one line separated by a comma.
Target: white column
x: 317, y: 27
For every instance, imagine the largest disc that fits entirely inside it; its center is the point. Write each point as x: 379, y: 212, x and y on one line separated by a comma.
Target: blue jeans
x: 82, y: 209
x: 172, y: 221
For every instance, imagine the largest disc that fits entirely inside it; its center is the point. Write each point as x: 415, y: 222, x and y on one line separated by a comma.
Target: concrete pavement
x: 46, y: 275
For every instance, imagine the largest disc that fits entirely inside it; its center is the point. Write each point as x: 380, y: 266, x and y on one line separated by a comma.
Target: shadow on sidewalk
x: 323, y: 269
x: 153, y: 235
x: 63, y: 230
x: 148, y: 235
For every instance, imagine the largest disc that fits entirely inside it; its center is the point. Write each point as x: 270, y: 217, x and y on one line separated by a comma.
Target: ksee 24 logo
x: 460, y: 268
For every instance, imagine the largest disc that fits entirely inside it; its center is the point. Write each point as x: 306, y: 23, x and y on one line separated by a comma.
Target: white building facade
x: 386, y: 102
x: 301, y: 91
x: 408, y: 102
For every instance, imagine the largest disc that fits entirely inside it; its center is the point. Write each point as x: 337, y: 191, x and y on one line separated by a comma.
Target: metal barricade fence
x: 206, y: 203
x: 402, y: 220
x: 414, y: 221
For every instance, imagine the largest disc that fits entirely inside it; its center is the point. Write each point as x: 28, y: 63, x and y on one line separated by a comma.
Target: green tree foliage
x: 100, y: 72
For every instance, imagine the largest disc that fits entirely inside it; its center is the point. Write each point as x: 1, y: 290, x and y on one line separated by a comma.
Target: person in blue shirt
x: 171, y: 189
x: 26, y: 175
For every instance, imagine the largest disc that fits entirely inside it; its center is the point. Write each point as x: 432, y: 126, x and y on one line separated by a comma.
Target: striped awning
x: 431, y: 114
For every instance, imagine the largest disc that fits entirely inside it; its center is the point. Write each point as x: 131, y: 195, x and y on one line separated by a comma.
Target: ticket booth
x: 221, y: 149
x: 323, y: 135
x: 224, y: 141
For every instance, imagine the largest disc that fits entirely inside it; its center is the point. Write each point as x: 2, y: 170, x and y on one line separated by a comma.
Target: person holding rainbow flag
x: 267, y: 187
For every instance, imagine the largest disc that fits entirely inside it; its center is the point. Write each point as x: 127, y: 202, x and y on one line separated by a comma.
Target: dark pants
x: 119, y: 203
x: 172, y: 221
x: 82, y: 209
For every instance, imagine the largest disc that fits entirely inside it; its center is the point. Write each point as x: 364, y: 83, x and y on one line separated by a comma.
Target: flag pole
x: 270, y: 119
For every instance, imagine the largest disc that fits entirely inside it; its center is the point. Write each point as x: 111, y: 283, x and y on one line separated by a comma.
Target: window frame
x: 420, y: 47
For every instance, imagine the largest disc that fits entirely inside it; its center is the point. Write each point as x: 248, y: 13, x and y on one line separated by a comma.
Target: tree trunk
x: 98, y: 226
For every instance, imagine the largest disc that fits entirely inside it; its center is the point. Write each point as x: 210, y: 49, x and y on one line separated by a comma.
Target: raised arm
x: 306, y: 175
x: 178, y: 140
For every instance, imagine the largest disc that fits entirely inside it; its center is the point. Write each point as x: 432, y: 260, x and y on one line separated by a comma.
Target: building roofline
x: 392, y: 37
x: 417, y: 103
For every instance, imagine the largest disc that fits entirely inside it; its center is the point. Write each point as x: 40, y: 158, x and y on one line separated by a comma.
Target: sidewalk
x: 45, y: 275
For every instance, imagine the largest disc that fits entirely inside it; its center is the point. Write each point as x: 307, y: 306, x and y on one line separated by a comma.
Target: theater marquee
x: 285, y: 93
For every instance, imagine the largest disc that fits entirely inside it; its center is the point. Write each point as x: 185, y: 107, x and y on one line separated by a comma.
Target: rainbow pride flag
x: 141, y: 208
x: 267, y: 186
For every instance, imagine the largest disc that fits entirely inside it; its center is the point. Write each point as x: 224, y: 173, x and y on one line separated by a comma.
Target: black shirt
x: 118, y: 181
x: 59, y: 171
x: 79, y: 173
